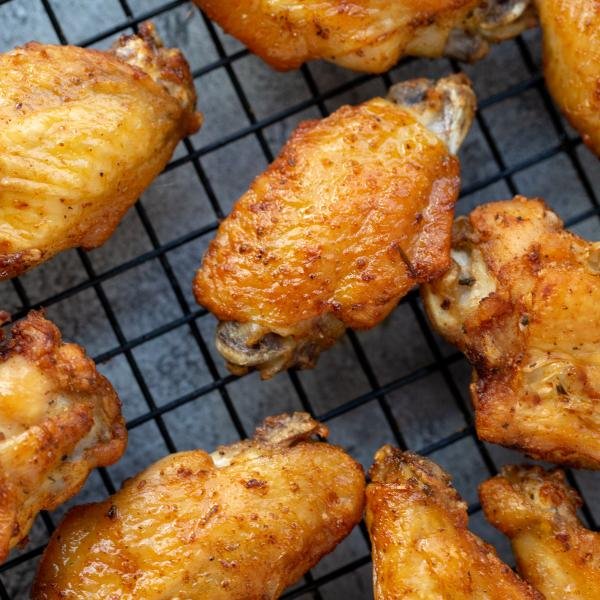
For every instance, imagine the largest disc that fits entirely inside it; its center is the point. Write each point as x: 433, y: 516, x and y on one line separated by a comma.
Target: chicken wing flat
x: 521, y: 300
x: 368, y: 35
x: 82, y: 134
x: 59, y: 419
x: 422, y: 549
x: 572, y: 62
x: 353, y: 213
x: 240, y: 524
x: 537, y: 511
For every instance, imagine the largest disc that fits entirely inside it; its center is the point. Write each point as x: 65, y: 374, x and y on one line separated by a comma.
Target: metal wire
x: 190, y: 316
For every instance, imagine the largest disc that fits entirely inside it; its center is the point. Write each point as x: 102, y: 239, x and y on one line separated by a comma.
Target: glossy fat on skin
x: 536, y: 509
x: 521, y: 300
x: 241, y: 524
x: 571, y: 31
x: 59, y: 419
x: 365, y: 35
x: 422, y: 549
x: 82, y: 134
x: 331, y: 225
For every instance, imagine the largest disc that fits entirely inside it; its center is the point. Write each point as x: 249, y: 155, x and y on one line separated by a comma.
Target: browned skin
x: 82, y: 134
x: 422, y: 549
x: 59, y: 419
x: 572, y: 62
x: 367, y: 35
x: 536, y: 509
x: 354, y: 212
x: 240, y: 524
x: 524, y: 308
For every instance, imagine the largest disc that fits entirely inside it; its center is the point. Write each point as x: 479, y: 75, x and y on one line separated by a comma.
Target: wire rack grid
x: 130, y: 304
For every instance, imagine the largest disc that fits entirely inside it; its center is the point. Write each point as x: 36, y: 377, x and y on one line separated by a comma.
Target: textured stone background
x: 143, y: 299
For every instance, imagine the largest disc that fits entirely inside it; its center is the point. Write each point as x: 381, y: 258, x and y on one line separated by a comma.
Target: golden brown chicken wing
x: 82, y: 134
x: 537, y: 511
x: 572, y: 62
x: 240, y: 524
x: 521, y: 300
x: 368, y: 35
x: 354, y: 212
x: 59, y: 419
x: 422, y: 549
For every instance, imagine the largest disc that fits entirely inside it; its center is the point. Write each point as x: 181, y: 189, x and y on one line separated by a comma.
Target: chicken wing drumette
x: 368, y: 35
x: 521, y: 300
x: 537, y: 511
x: 571, y: 31
x: 240, y: 524
x: 353, y: 213
x: 59, y: 419
x: 82, y: 134
x: 422, y: 548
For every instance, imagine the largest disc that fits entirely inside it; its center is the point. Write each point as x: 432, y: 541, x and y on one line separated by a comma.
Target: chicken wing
x: 571, y: 31
x: 368, y: 35
x: 521, y: 300
x: 82, y: 134
x: 59, y: 419
x: 537, y: 511
x: 353, y: 213
x: 240, y: 524
x: 422, y: 549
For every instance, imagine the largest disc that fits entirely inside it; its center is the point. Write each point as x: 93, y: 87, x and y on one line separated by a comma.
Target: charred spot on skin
x: 534, y: 256
x: 467, y: 281
x: 409, y: 266
x: 336, y: 306
x: 255, y: 484
x: 446, y: 304
x: 212, y: 511
x: 321, y: 31
x: 260, y: 206
x: 112, y: 512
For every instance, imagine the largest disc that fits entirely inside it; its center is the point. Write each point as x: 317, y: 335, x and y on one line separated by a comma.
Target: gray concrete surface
x: 160, y: 370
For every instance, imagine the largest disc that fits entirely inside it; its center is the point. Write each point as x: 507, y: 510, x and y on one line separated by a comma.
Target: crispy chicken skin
x: 59, y: 419
x: 571, y: 31
x: 368, y: 35
x: 422, y: 549
x: 521, y: 300
x: 536, y: 509
x: 82, y: 134
x: 354, y: 212
x: 240, y: 524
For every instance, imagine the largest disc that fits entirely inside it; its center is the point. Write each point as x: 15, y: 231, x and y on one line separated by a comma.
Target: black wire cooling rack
x: 508, y: 167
